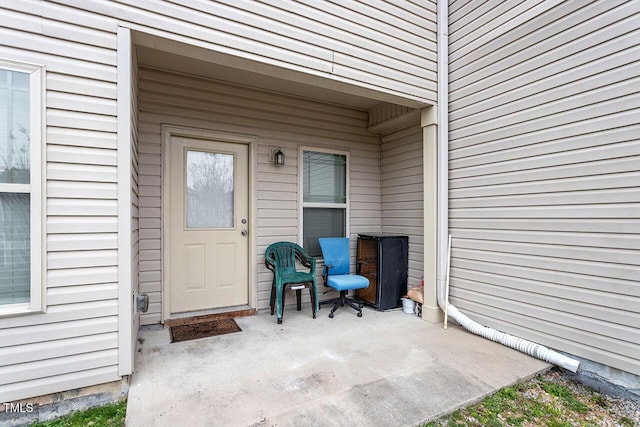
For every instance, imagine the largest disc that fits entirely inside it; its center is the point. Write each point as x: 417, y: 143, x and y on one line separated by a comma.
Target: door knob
x: 244, y: 232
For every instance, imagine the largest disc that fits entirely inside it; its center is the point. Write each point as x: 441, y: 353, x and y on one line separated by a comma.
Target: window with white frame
x: 324, y: 196
x: 20, y: 187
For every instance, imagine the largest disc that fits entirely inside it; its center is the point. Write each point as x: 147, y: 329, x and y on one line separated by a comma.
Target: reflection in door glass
x: 209, y: 190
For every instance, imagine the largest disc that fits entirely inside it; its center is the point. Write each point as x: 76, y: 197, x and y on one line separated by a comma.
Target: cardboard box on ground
x: 416, y: 293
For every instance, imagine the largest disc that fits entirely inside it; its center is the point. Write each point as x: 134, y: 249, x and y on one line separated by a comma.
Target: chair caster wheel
x: 361, y: 305
x: 279, y: 321
x: 359, y: 314
x: 330, y: 315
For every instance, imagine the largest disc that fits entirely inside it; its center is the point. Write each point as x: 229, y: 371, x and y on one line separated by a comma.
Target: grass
x: 111, y: 415
x: 547, y: 400
x: 565, y: 395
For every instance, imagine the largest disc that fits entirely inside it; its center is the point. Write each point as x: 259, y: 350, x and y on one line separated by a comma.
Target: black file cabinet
x: 384, y: 260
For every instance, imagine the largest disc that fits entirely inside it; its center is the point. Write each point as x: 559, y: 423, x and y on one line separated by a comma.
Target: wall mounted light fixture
x: 278, y: 157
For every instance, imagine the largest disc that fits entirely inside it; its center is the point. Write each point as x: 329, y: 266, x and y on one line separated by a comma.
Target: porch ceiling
x: 170, y: 61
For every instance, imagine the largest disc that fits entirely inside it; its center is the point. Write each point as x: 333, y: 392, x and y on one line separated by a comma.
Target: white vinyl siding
x: 386, y: 49
x: 384, y: 46
x: 75, y: 343
x: 277, y: 121
x: 543, y: 166
x: 126, y: 141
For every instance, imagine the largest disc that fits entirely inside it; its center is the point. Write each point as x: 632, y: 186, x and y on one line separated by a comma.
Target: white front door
x: 209, y: 213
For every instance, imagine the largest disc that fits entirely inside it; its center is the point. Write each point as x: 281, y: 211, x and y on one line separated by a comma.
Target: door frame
x: 169, y: 131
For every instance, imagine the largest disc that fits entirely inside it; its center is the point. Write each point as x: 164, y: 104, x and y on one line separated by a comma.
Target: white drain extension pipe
x: 528, y: 347
x: 520, y: 344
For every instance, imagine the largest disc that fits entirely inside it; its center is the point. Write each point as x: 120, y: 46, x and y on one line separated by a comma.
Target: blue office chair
x: 335, y: 251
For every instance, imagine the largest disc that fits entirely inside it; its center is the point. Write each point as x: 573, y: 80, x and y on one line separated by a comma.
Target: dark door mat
x: 203, y: 330
x: 208, y: 317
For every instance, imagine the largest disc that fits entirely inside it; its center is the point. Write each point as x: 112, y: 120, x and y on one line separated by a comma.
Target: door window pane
x: 14, y: 127
x: 209, y: 189
x: 325, y: 177
x: 15, y: 255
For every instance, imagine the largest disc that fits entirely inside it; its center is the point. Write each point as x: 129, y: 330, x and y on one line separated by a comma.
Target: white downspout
x: 442, y: 269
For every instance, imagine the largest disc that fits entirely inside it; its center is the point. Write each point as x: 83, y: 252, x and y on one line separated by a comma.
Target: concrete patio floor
x: 384, y: 369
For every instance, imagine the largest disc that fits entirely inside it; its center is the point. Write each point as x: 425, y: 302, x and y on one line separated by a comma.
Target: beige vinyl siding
x: 135, y: 191
x: 276, y: 120
x: 401, y: 139
x: 149, y: 224
x: 384, y: 112
x: 543, y: 185
x: 402, y: 193
x: 73, y: 344
x: 384, y: 46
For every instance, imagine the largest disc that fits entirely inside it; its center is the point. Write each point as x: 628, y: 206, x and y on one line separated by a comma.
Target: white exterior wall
x: 544, y: 153
x: 75, y: 343
x: 276, y: 120
x: 379, y: 48
x: 382, y: 46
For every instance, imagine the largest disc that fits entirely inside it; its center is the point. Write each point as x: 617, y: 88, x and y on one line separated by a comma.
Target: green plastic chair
x: 280, y: 258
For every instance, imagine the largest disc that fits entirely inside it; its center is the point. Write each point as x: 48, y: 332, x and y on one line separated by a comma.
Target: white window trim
x: 34, y: 188
x: 302, y: 204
